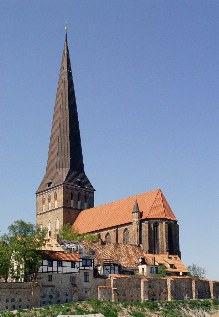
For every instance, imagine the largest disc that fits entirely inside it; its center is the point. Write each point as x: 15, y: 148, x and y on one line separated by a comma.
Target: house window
x: 50, y: 263
x: 72, y: 279
x: 110, y: 269
x: 86, y: 277
x: 126, y: 236
x: 172, y: 266
x: 72, y: 265
x: 152, y: 270
x: 49, y: 278
x: 156, y: 270
x: 55, y: 200
x: 59, y: 263
x: 108, y: 238
x: 86, y: 262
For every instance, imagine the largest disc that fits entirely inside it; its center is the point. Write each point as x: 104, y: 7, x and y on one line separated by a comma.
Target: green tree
x: 162, y: 270
x: 21, y: 244
x: 5, y: 257
x: 68, y: 232
x: 196, y: 271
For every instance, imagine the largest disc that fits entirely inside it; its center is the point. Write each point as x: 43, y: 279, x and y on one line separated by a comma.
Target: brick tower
x: 65, y: 189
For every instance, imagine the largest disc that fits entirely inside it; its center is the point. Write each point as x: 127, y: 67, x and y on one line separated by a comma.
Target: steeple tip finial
x: 66, y: 30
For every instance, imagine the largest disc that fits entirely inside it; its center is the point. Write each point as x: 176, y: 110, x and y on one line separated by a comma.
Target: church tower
x: 65, y: 189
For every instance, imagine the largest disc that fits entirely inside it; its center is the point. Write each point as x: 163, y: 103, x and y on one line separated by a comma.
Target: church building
x: 66, y: 195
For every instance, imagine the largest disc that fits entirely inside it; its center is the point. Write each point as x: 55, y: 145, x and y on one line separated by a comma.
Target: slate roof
x: 152, y: 205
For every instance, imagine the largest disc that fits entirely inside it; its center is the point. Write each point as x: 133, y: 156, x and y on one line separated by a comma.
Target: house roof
x: 59, y: 256
x: 130, y: 256
x: 152, y: 205
x: 126, y: 255
x: 166, y: 260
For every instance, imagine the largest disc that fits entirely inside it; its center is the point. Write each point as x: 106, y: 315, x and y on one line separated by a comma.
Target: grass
x: 113, y: 309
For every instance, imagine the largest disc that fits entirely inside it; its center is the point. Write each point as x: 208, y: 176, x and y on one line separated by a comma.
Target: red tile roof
x: 59, y: 256
x: 126, y: 255
x: 166, y: 260
x: 152, y: 205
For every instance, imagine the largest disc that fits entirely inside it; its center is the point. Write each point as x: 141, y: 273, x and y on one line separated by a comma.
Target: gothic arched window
x: 156, y: 237
x: 126, y: 236
x: 108, y: 238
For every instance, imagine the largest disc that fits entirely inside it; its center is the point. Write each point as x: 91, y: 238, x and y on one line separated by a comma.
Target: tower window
x: 43, y: 203
x: 55, y: 200
x: 49, y: 229
x: 72, y: 199
x: 49, y: 184
x: 79, y: 197
x: 57, y: 224
x: 49, y: 202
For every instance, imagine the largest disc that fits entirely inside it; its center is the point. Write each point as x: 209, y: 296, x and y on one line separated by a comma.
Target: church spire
x: 65, y: 158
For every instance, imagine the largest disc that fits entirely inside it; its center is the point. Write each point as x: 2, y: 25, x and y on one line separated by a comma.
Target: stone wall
x: 215, y: 289
x: 69, y: 287
x: 19, y: 296
x: 156, y: 289
x: 139, y: 288
x: 201, y: 289
x: 181, y: 288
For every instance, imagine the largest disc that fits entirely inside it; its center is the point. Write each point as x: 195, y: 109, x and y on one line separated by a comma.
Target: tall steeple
x: 65, y: 164
x: 65, y: 158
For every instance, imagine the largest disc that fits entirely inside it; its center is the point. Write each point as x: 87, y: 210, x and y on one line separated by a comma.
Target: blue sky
x: 147, y: 87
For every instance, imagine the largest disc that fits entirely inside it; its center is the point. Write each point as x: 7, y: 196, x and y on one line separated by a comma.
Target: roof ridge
x: 125, y: 198
x: 162, y: 199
